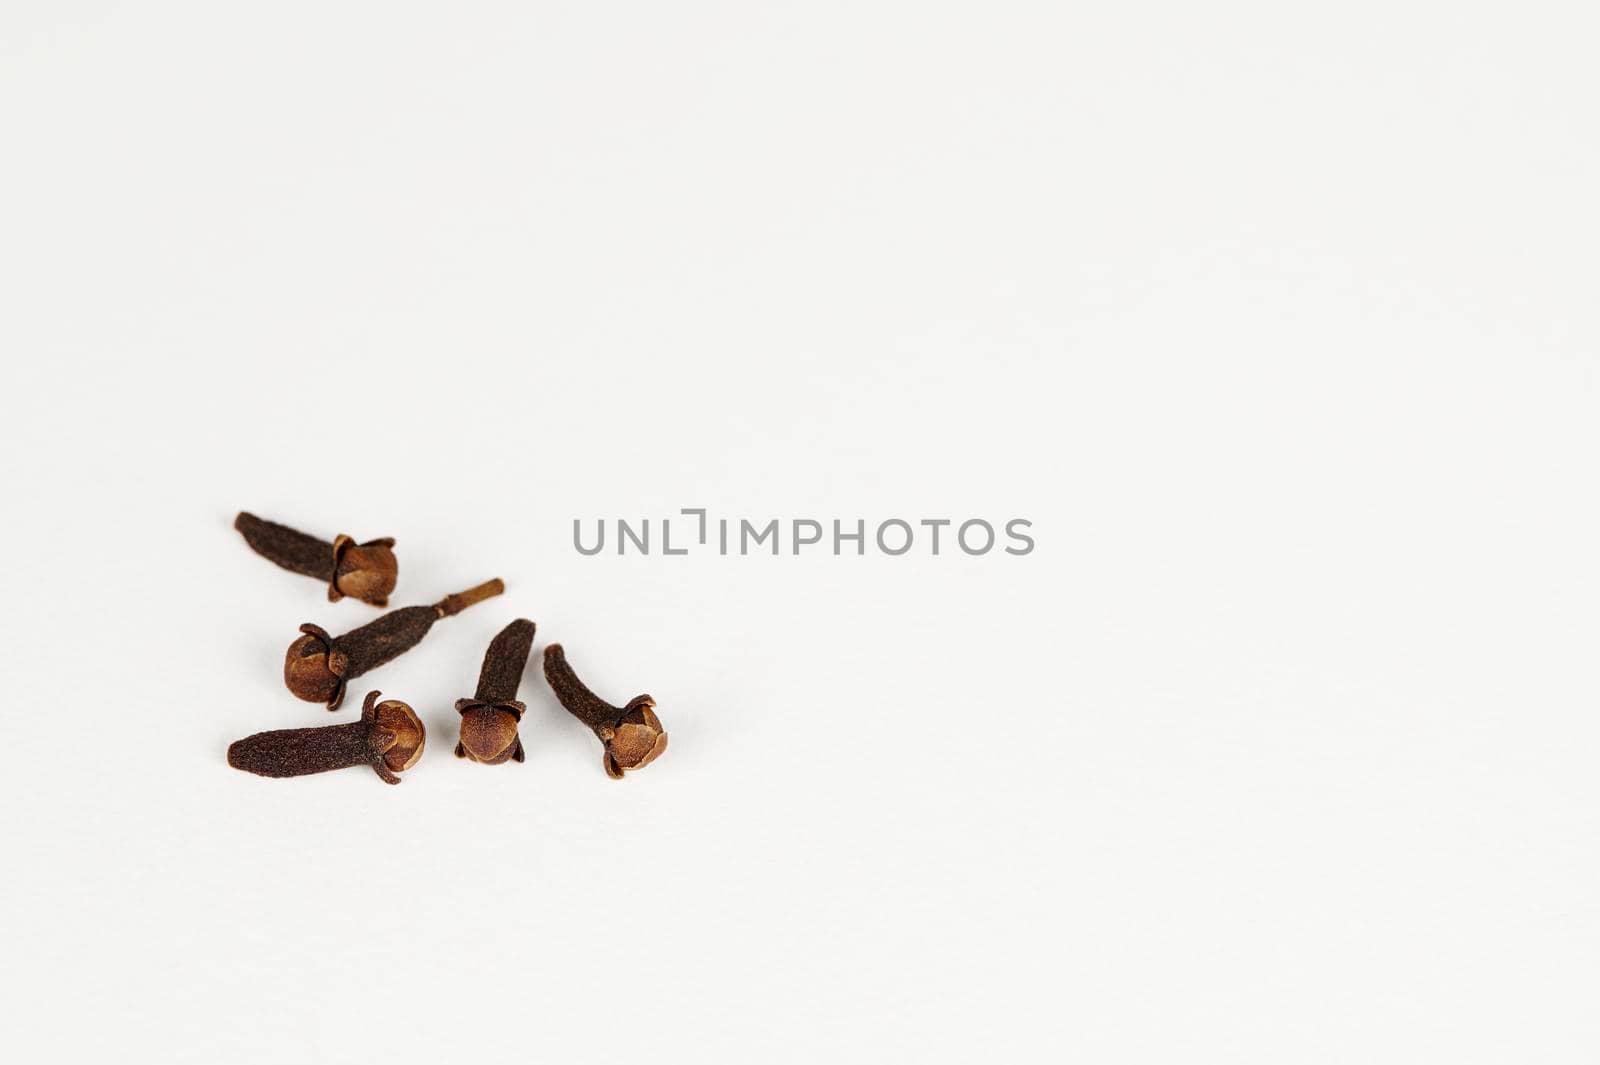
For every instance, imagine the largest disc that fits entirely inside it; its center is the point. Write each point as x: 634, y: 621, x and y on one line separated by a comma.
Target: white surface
x: 1278, y: 322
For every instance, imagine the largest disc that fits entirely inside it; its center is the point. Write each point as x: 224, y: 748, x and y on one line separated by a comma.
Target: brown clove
x: 489, y: 719
x: 632, y: 734
x: 317, y: 666
x: 389, y: 738
x: 365, y: 571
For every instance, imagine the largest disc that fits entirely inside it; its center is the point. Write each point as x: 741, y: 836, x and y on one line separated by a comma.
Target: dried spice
x: 317, y: 666
x: 365, y: 571
x: 632, y: 734
x: 389, y: 738
x: 489, y: 719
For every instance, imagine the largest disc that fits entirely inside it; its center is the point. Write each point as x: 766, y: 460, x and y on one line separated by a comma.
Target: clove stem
x: 575, y: 695
x: 455, y: 604
x: 295, y: 752
x: 504, y: 662
x: 289, y: 548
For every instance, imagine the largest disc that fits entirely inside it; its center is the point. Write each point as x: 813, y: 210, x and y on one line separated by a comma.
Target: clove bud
x: 389, y: 738
x: 317, y: 666
x: 364, y: 571
x: 489, y: 719
x: 632, y: 734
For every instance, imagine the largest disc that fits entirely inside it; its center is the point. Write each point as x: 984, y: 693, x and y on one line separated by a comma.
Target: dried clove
x: 632, y: 734
x: 365, y: 571
x: 389, y: 738
x: 317, y: 665
x: 489, y: 719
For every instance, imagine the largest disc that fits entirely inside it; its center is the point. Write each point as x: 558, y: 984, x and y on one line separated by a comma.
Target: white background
x: 1278, y: 321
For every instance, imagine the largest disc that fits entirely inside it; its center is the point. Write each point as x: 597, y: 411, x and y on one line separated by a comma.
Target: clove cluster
x: 389, y: 736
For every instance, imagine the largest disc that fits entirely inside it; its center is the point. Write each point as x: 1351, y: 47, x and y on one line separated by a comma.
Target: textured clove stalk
x: 363, y: 571
x: 389, y: 738
x: 489, y: 719
x: 632, y: 734
x: 317, y: 665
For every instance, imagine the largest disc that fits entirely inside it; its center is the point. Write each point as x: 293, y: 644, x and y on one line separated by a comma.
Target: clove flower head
x: 397, y: 734
x: 313, y: 669
x: 364, y: 571
x: 637, y: 740
x: 489, y: 731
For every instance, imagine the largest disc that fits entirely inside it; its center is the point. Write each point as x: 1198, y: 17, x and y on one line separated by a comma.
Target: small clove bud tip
x: 399, y: 733
x: 313, y: 670
x: 367, y: 572
x: 638, y: 740
x: 489, y: 733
